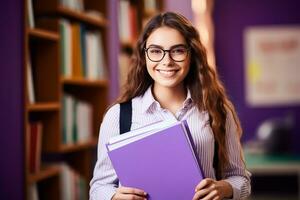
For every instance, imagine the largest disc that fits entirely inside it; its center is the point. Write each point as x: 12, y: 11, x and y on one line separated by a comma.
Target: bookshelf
x: 63, y: 84
x: 133, y: 14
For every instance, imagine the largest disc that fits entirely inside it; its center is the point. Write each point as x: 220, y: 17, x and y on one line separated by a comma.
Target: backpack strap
x: 125, y: 116
x: 125, y: 125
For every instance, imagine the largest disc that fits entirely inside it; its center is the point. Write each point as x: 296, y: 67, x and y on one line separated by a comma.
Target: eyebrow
x: 173, y: 46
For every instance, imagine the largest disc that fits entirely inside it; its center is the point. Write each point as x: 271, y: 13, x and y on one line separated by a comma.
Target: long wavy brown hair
x: 206, y: 89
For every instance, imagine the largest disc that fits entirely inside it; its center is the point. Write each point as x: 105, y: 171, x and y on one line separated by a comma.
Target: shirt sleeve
x: 105, y: 181
x: 236, y: 173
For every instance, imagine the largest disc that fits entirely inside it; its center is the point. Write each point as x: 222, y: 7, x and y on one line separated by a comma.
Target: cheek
x: 186, y: 67
x: 150, y: 66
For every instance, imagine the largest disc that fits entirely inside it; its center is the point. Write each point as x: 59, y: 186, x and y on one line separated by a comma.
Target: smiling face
x: 167, y: 72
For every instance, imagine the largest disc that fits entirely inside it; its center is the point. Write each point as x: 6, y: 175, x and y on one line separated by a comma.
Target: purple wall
x: 231, y: 17
x: 113, y: 40
x: 11, y: 101
x: 182, y: 7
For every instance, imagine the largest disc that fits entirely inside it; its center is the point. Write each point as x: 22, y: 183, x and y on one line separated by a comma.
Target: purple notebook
x: 161, y: 161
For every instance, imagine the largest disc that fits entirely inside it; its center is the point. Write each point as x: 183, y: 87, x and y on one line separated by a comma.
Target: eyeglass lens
x: 177, y: 54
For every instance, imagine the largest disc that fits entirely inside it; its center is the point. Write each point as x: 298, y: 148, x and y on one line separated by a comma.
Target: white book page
x: 134, y: 135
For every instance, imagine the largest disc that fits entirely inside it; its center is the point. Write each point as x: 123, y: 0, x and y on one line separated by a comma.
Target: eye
x: 178, y: 50
x: 155, y: 50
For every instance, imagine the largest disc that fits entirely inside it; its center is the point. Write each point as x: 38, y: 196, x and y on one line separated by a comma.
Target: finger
x: 129, y: 190
x: 130, y: 196
x: 196, y: 196
x: 203, y: 192
x: 212, y: 195
x: 204, y: 183
x: 217, y: 198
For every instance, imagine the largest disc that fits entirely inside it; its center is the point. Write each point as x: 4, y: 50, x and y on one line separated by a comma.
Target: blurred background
x: 63, y: 62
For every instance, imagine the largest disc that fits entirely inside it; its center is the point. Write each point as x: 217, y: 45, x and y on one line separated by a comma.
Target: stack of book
x: 127, y: 22
x: 77, y: 120
x: 72, y: 183
x: 81, y: 52
x: 159, y: 159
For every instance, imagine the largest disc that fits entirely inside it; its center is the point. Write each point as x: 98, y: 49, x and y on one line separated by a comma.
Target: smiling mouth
x: 167, y: 73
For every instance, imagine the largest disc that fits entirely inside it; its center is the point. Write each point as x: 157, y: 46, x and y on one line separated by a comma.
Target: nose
x: 166, y: 59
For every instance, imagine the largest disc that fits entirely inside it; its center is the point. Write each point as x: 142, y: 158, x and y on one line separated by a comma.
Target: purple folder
x: 163, y: 164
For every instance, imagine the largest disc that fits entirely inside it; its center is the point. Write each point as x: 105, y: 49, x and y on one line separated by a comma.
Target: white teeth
x: 167, y: 73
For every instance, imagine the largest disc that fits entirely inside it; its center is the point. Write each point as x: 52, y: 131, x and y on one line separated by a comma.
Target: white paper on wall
x: 272, y: 65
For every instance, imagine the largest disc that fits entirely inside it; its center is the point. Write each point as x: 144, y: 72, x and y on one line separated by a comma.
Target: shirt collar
x: 149, y: 103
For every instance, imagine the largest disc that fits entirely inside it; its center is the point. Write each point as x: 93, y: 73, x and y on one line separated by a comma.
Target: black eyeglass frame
x: 168, y: 50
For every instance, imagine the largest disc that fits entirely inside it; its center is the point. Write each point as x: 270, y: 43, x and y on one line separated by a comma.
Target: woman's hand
x: 210, y: 189
x: 124, y: 193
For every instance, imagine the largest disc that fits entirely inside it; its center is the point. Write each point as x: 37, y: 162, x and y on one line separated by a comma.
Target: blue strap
x: 125, y: 116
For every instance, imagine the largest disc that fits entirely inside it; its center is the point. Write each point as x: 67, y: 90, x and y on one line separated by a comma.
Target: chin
x: 168, y: 84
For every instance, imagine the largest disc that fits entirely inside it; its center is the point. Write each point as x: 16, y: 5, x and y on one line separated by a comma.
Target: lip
x: 167, y: 73
x: 167, y: 70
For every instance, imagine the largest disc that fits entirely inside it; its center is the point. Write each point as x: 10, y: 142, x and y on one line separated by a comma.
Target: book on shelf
x: 82, y: 53
x: 124, y: 20
x: 76, y: 51
x: 72, y: 183
x: 66, y: 47
x: 30, y: 82
x: 30, y: 14
x: 127, y: 21
x: 77, y: 120
x: 35, y: 132
x: 96, y: 63
x: 33, y: 192
x: 77, y: 5
x: 168, y: 167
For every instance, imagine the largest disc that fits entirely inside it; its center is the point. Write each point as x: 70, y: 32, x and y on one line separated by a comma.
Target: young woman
x: 170, y: 78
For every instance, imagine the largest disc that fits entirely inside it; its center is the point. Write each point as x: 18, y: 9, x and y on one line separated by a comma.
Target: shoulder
x: 111, y: 117
x: 233, y: 128
x: 110, y: 123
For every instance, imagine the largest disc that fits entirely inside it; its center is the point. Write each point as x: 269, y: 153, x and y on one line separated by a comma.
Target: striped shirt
x: 146, y: 110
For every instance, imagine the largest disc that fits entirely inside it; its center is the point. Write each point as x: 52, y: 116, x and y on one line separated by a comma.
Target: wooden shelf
x: 40, y: 107
x: 46, y: 172
x: 97, y: 22
x: 78, y: 146
x: 43, y: 47
x: 84, y: 82
x: 42, y: 34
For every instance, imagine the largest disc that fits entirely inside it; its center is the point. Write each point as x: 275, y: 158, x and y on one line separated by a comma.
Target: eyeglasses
x: 177, y: 53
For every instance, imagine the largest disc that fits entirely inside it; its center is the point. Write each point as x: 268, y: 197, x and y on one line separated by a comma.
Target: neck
x: 170, y: 98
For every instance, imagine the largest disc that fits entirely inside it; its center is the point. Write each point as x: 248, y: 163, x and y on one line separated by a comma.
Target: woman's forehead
x: 166, y: 37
